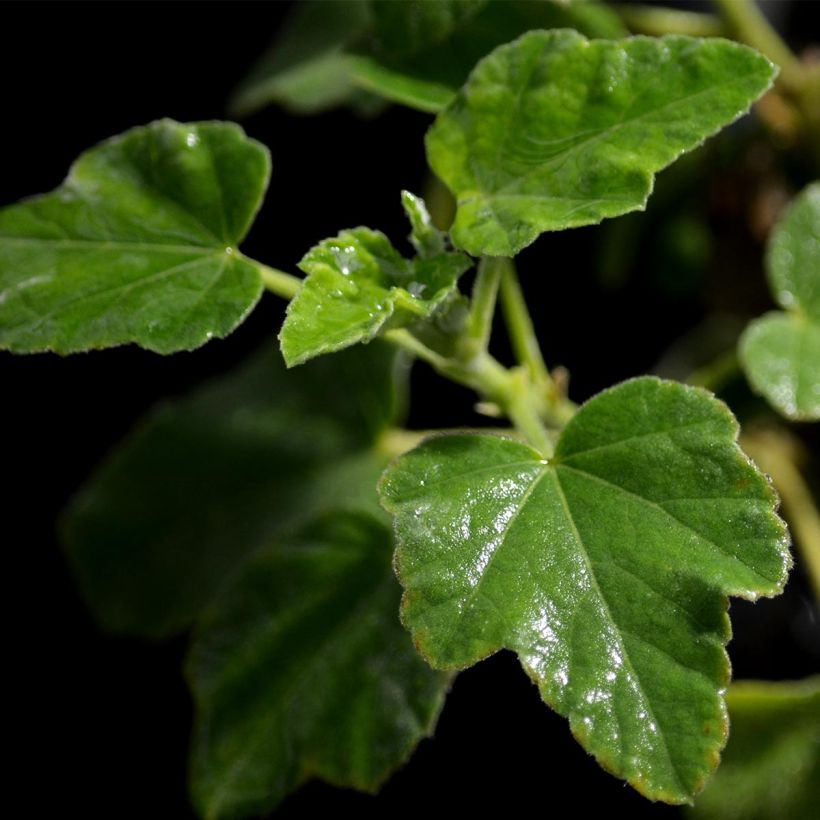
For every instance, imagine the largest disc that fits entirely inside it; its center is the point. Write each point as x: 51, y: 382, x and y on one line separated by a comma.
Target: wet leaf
x: 358, y: 285
x: 206, y: 480
x: 139, y: 244
x: 555, y: 131
x: 780, y: 351
x: 771, y: 767
x: 301, y: 669
x: 606, y: 569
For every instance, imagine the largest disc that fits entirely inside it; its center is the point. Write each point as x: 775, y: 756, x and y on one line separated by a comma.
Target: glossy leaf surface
x: 207, y: 480
x: 771, y: 767
x: 302, y: 669
x: 781, y: 351
x: 357, y: 285
x: 606, y: 569
x: 555, y: 131
x: 137, y: 245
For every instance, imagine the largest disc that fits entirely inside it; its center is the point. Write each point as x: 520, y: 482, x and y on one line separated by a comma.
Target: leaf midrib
x: 617, y: 629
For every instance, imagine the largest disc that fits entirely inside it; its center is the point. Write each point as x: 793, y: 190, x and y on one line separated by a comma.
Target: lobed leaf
x: 139, y: 244
x: 771, y: 767
x: 207, y: 480
x: 301, y: 669
x: 555, y: 131
x: 358, y: 285
x: 780, y: 352
x: 606, y: 569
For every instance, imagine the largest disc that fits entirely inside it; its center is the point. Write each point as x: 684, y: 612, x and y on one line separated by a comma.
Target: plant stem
x: 752, y: 28
x: 482, y: 308
x: 277, y: 281
x: 509, y: 389
x: 522, y: 332
x: 774, y: 452
x: 657, y: 20
x: 527, y: 350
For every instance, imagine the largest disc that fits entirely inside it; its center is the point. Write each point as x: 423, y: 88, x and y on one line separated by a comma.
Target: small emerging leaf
x: 555, y: 131
x: 358, y: 285
x: 301, y: 669
x: 771, y: 767
x: 606, y: 569
x: 206, y: 480
x: 780, y: 352
x: 139, y: 244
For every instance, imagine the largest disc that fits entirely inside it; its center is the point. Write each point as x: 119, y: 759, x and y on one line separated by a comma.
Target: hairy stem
x: 528, y: 351
x: 509, y: 389
x: 277, y: 281
x: 482, y: 308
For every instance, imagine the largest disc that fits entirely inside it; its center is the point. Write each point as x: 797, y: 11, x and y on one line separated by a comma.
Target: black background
x: 99, y: 725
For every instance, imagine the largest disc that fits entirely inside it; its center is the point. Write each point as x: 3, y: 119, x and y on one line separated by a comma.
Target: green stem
x: 528, y: 351
x: 752, y: 28
x: 658, y: 20
x: 509, y: 389
x: 715, y: 374
x: 522, y: 332
x: 482, y: 306
x: 277, y: 281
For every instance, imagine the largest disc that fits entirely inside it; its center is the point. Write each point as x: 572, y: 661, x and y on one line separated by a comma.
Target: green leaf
x: 780, y: 352
x: 606, y: 569
x: 425, y: 237
x: 411, y: 25
x: 208, y: 479
x: 781, y: 356
x: 359, y: 285
x: 428, y: 77
x: 554, y: 131
x: 771, y: 767
x: 137, y: 245
x: 306, y: 69
x: 302, y: 670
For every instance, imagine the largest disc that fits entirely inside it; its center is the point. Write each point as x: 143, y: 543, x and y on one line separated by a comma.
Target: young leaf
x: 771, y: 767
x: 606, y: 569
x: 554, y: 131
x: 358, y: 285
x: 207, y: 480
x: 302, y: 669
x: 137, y: 245
x: 780, y: 351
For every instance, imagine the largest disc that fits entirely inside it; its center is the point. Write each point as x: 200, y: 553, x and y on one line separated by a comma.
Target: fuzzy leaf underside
x: 606, y: 569
x: 771, y: 767
x: 207, y: 480
x: 139, y: 244
x: 358, y: 285
x: 555, y: 131
x: 780, y: 351
x: 301, y: 669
